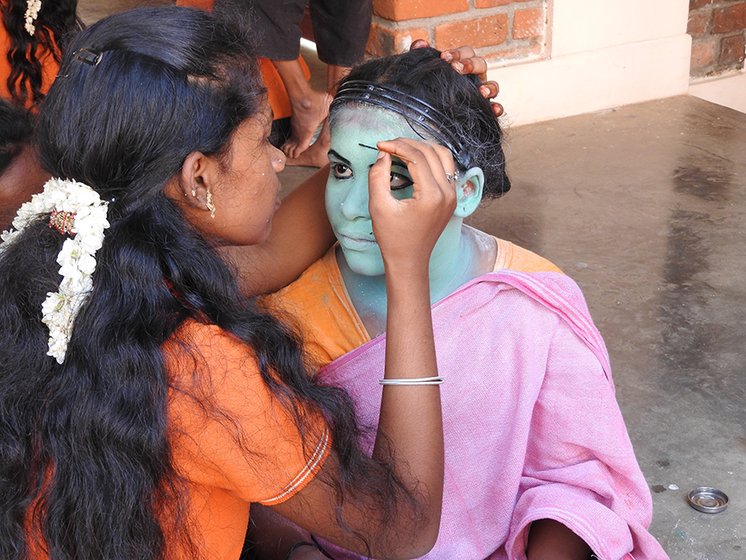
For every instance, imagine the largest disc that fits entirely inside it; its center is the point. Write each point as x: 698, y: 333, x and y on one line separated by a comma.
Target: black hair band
x: 412, y: 108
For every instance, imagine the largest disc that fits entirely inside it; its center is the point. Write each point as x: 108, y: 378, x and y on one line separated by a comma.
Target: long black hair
x: 55, y: 25
x: 84, y: 445
x: 467, y: 115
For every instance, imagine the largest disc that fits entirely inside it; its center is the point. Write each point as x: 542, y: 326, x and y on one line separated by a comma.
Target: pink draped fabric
x: 532, y: 427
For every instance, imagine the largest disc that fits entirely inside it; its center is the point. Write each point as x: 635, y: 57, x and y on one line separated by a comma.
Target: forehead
x: 369, y: 122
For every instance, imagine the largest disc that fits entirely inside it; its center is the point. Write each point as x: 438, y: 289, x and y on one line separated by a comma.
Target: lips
x: 356, y: 243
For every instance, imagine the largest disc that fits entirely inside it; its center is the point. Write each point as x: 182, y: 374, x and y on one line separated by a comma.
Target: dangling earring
x: 209, y: 204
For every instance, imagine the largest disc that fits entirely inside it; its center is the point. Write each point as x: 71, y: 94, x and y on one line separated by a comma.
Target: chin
x: 364, y: 264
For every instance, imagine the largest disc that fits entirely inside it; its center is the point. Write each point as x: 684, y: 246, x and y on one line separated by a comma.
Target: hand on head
x: 465, y: 61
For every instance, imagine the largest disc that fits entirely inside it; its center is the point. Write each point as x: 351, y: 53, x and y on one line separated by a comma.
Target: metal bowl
x: 708, y: 500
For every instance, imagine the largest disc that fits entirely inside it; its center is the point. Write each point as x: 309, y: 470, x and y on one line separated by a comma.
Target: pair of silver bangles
x: 436, y: 380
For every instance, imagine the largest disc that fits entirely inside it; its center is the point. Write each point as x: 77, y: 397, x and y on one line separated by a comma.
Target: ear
x: 469, y: 192
x: 190, y: 186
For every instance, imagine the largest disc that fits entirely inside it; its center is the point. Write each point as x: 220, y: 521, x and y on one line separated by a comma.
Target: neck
x: 452, y: 264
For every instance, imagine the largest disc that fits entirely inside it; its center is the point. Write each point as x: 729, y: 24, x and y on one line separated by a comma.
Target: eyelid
x: 408, y: 182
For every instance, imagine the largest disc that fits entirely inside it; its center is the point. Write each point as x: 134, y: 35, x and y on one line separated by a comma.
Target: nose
x: 355, y: 204
x: 278, y: 158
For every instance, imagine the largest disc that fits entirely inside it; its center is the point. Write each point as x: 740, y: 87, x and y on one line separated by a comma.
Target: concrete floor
x: 645, y: 206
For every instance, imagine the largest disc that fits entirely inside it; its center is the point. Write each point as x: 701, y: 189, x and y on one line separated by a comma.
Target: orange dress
x: 224, y: 477
x: 319, y: 306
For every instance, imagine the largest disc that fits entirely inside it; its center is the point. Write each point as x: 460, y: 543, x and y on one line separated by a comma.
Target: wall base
x: 591, y: 81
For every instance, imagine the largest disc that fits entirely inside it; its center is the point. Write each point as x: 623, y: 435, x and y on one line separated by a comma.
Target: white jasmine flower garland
x: 77, y: 257
x: 32, y: 12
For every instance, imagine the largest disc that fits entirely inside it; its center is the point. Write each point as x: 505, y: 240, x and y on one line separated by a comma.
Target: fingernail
x: 447, y: 56
x: 380, y: 155
x: 484, y: 90
x: 458, y: 67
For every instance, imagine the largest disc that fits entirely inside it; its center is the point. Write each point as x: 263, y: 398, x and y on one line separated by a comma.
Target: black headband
x: 424, y: 115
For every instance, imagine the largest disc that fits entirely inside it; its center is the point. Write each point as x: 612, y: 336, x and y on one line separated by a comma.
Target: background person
x: 340, y: 30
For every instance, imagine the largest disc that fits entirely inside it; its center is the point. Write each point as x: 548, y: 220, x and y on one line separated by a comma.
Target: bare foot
x: 308, y: 114
x: 316, y: 154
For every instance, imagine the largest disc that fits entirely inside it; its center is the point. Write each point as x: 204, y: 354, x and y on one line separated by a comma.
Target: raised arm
x: 300, y: 235
x: 410, y: 430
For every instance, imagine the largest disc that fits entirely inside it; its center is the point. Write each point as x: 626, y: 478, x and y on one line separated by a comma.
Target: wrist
x: 403, y: 273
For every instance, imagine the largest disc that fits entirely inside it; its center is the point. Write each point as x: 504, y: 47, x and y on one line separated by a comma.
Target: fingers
x: 464, y: 60
x: 489, y: 90
x: 460, y: 53
x: 379, y: 181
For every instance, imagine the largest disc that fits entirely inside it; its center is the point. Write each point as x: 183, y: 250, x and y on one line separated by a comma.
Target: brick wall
x: 718, y: 30
x: 504, y: 30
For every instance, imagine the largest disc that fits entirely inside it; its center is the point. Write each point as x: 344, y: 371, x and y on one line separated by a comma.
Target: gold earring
x: 210, y: 205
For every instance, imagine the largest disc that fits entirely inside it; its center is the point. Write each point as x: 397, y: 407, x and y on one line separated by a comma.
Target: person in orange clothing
x: 146, y: 401
x: 32, y: 36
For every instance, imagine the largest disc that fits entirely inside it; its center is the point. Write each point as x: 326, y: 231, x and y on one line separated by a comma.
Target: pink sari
x: 532, y: 427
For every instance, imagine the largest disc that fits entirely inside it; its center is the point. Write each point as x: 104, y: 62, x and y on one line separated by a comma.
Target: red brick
x: 492, y: 3
x: 399, y: 10
x: 732, y: 51
x: 384, y: 41
x: 480, y: 32
x: 698, y: 23
x: 703, y: 56
x: 528, y: 24
x: 730, y: 19
x: 696, y: 4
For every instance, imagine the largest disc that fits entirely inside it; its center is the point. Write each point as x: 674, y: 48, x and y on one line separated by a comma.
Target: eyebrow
x: 340, y: 158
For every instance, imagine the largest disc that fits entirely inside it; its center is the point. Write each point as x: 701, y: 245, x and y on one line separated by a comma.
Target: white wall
x: 603, y: 54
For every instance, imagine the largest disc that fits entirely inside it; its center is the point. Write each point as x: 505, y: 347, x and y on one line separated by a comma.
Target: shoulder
x: 515, y: 257
x: 203, y: 357
x: 306, y: 290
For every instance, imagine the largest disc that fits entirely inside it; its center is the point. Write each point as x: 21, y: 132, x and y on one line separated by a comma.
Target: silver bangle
x: 436, y: 380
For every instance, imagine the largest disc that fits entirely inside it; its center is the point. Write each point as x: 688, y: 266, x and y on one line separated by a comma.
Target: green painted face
x: 347, y: 186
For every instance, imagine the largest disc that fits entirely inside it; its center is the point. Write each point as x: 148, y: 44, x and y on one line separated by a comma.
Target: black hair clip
x: 88, y: 56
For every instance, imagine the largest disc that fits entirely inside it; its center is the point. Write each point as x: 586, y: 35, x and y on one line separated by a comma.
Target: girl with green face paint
x: 364, y: 114
x: 538, y: 460
x: 460, y: 254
